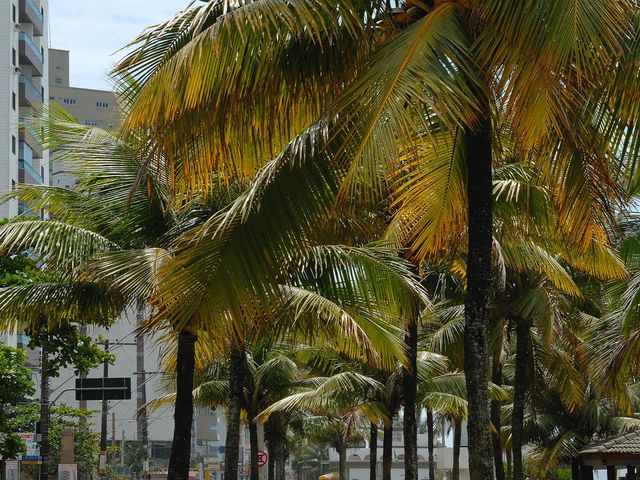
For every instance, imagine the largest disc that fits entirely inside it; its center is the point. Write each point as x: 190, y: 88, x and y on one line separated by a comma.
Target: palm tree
x: 267, y: 375
x: 112, y: 203
x: 340, y: 394
x: 568, y: 409
x: 48, y: 306
x: 461, y: 69
x: 372, y: 278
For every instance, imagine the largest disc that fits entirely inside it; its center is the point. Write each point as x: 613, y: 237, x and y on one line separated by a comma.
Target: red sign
x: 262, y: 458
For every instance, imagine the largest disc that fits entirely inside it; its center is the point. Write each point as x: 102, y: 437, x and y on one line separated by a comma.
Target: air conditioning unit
x: 17, y: 26
x: 17, y: 69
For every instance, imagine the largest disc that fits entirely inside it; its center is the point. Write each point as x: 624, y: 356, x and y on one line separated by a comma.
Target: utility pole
x: 141, y: 397
x: 82, y: 404
x: 44, y: 411
x: 102, y: 469
x: 113, y: 433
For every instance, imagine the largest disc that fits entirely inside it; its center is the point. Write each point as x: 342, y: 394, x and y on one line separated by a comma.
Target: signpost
x: 103, y: 388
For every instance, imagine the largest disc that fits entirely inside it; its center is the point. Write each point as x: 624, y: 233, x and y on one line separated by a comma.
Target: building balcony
x: 30, y: 54
x: 30, y: 95
x: 27, y: 137
x: 31, y: 13
x: 28, y: 174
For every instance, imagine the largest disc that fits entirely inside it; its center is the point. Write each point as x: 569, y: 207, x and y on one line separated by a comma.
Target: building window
x: 13, y: 101
x: 69, y: 101
x: 102, y: 105
x: 91, y: 123
x: 13, y: 144
x: 58, y: 81
x: 13, y: 184
x: 13, y: 13
x: 13, y: 56
x: 42, y: 172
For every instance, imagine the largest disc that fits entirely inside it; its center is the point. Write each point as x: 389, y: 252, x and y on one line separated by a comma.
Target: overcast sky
x: 93, y: 31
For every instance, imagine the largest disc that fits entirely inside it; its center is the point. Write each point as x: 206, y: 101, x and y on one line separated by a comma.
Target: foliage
x: 67, y: 346
x: 15, y: 387
x: 18, y: 269
x: 134, y: 455
x: 24, y: 418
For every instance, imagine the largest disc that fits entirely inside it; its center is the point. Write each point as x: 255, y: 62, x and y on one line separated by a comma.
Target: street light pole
x: 103, y: 427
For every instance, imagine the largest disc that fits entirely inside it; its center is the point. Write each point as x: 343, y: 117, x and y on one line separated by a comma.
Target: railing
x: 29, y: 41
x: 27, y: 83
x: 25, y: 153
x: 29, y: 170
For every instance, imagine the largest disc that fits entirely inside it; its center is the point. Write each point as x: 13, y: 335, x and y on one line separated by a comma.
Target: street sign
x: 12, y: 470
x: 67, y: 471
x: 103, y: 388
x: 263, y: 458
x: 102, y: 463
x: 33, y: 449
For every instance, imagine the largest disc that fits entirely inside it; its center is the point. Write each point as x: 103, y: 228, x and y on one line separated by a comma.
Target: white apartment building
x: 23, y: 88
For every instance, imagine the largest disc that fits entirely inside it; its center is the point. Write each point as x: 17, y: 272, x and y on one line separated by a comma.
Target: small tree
x: 86, y: 441
x: 15, y: 387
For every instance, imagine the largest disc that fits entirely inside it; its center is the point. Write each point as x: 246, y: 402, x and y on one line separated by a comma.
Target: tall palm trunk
x: 373, y: 451
x: 432, y: 466
x: 457, y: 437
x: 232, y: 442
x: 180, y: 457
x: 282, y: 463
x: 271, y: 465
x: 496, y: 420
x: 253, y: 442
x: 387, y: 450
x: 342, y: 453
x: 44, y: 413
x: 520, y: 386
x: 476, y: 358
x: 509, y: 464
x: 410, y: 385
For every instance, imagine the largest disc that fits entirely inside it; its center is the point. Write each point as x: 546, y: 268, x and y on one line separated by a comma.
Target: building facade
x: 23, y: 89
x: 358, y: 464
x: 88, y: 106
x: 24, y: 86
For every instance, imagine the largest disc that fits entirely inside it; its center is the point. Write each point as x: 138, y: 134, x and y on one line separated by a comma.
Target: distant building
x: 91, y: 107
x: 358, y: 457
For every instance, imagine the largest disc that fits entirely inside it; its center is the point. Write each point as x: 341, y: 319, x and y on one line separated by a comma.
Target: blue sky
x: 93, y: 30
